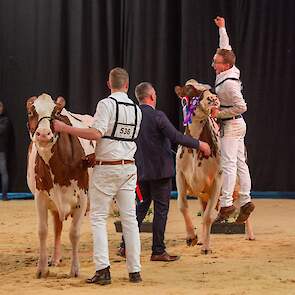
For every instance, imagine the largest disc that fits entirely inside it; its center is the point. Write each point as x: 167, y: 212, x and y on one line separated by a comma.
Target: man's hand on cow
x: 220, y: 22
x: 214, y: 112
x: 89, y: 161
x: 59, y: 126
x: 205, y: 148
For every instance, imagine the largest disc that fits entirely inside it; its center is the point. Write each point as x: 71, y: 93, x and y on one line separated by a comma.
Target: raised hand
x: 220, y: 22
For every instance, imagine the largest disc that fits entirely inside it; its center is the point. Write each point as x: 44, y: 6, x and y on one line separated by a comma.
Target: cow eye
x: 30, y: 114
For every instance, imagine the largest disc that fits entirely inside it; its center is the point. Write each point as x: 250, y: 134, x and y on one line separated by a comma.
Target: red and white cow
x: 197, y: 175
x: 56, y: 176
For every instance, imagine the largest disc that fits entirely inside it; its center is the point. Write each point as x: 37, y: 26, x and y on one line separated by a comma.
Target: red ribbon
x: 138, y: 193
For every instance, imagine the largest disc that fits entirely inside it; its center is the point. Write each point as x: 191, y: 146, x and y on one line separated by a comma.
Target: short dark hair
x: 228, y: 56
x: 142, y: 90
x: 118, y: 77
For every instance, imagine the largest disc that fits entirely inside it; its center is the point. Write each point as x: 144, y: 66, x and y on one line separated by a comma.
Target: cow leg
x: 57, y: 225
x: 182, y: 202
x: 210, y: 214
x: 249, y: 230
x: 203, y: 205
x: 42, y: 212
x: 75, y: 231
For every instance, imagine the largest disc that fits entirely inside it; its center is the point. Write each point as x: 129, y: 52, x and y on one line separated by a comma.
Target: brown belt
x: 118, y: 162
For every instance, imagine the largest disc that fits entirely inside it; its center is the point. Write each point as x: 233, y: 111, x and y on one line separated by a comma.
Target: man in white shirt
x: 228, y: 89
x: 116, y: 126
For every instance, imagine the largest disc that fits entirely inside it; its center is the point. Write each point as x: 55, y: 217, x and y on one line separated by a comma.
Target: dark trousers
x: 159, y: 192
x: 3, y: 173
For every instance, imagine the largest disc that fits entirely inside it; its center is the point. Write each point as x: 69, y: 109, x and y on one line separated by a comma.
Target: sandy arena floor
x: 236, y: 267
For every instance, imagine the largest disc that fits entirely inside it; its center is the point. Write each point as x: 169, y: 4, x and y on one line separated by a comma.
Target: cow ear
x: 60, y: 103
x: 178, y: 90
x: 198, y: 92
x: 30, y: 101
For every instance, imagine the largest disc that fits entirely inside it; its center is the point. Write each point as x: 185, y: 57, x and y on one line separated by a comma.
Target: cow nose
x: 44, y: 134
x: 39, y: 134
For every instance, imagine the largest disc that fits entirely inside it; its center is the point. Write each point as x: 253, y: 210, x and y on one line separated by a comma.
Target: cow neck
x: 210, y: 135
x: 198, y: 123
x: 205, y: 130
x: 45, y: 152
x: 66, y: 161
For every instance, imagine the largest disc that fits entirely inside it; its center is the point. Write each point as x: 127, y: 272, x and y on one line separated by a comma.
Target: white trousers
x: 234, y: 163
x: 108, y: 182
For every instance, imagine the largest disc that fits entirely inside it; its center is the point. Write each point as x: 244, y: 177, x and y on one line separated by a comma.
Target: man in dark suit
x: 155, y: 166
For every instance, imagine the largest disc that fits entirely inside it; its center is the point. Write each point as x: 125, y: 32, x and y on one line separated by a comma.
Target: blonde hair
x: 118, y: 77
x: 228, y: 56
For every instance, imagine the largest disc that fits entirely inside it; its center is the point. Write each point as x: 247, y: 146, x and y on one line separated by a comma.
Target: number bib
x: 125, y: 131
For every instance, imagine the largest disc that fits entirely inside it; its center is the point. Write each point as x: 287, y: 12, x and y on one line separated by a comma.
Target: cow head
x: 198, y: 94
x: 41, y: 111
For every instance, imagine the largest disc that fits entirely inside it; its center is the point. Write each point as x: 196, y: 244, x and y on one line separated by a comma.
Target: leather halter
x: 51, y: 118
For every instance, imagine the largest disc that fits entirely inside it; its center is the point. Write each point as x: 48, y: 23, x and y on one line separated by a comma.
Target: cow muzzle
x: 44, y: 136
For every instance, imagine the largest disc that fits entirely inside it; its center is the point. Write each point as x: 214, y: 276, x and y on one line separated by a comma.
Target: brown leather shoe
x: 101, y: 277
x: 134, y: 277
x: 164, y: 257
x: 224, y: 213
x: 245, y: 212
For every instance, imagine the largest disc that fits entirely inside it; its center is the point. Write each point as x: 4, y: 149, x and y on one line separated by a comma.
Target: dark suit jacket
x: 154, y: 159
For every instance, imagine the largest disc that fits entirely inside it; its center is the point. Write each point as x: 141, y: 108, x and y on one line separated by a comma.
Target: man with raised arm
x: 228, y: 89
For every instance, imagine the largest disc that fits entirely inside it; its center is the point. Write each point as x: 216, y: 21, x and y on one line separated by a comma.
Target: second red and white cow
x: 197, y: 175
x: 56, y: 176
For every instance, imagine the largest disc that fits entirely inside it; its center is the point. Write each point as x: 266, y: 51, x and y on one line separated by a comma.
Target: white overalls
x: 228, y: 89
x: 119, y: 124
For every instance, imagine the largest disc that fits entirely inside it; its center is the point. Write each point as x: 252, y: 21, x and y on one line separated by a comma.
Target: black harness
x: 229, y: 78
x: 123, y: 131
x: 223, y: 106
x: 48, y: 118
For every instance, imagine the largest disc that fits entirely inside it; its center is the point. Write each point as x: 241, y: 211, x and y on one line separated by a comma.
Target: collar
x: 148, y: 105
x: 233, y: 72
x: 119, y: 94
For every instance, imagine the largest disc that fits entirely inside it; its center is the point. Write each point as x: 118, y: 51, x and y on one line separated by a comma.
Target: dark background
x: 67, y: 48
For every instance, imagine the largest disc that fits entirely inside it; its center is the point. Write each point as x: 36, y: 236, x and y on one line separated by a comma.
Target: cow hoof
x: 206, y: 251
x: 191, y: 242
x: 200, y: 243
x: 54, y: 262
x: 74, y: 272
x: 250, y: 239
x: 42, y: 274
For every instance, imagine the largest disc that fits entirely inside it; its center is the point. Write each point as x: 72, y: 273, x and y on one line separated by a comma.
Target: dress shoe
x: 225, y: 213
x: 245, y: 212
x: 101, y: 277
x: 134, y: 277
x: 164, y: 257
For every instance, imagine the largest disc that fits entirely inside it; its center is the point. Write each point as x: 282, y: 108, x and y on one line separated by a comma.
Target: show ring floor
x: 236, y: 267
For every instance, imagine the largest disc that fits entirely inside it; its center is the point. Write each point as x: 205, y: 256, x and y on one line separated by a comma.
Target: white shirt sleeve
x: 223, y: 39
x: 102, y: 116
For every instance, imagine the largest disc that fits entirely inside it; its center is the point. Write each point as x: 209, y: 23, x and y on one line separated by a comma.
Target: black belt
x: 232, y: 118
